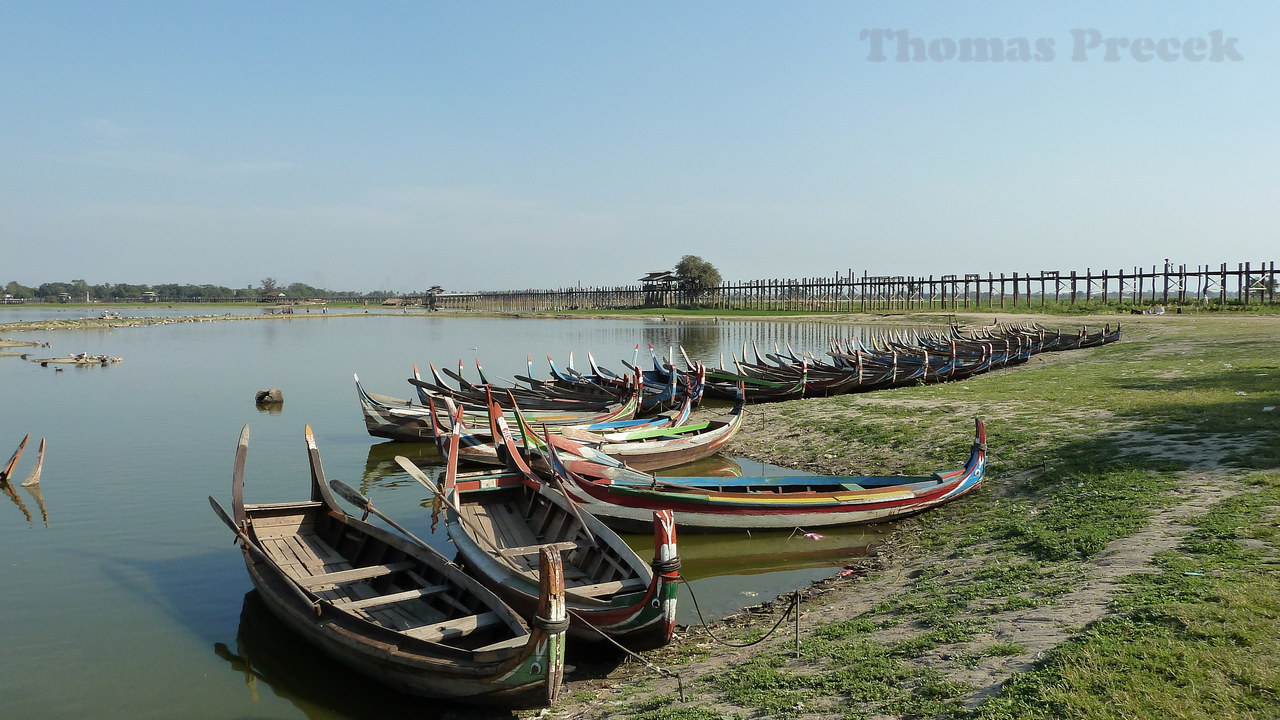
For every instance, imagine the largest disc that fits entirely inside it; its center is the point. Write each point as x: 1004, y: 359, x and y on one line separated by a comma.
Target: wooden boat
x: 528, y: 388
x: 392, y: 608
x: 33, y: 478
x: 664, y: 385
x: 622, y: 497
x: 478, y: 443
x: 397, y: 419
x: 7, y: 470
x: 497, y: 521
x: 645, y: 448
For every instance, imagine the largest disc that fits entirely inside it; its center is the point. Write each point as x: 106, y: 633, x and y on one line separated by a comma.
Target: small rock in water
x: 274, y: 395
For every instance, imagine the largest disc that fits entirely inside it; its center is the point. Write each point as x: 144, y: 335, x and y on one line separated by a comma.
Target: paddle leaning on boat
x: 391, y: 607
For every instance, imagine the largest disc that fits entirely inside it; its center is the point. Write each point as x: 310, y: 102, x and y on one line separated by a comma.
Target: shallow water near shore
x: 123, y: 596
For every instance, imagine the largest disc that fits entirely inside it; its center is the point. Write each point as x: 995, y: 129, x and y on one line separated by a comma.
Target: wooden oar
x: 354, y: 497
x: 424, y: 481
x: 573, y: 505
x: 414, y: 472
x: 13, y: 459
x: 262, y: 555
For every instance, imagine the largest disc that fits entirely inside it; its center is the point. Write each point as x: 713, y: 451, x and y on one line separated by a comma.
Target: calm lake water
x: 122, y: 594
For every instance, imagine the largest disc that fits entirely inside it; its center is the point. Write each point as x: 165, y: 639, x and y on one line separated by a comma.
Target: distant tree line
x: 78, y: 290
x: 694, y: 276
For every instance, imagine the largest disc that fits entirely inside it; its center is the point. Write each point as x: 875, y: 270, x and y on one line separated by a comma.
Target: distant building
x: 149, y: 296
x: 658, y: 286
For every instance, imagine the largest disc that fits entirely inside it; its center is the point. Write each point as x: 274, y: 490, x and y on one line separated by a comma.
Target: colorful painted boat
x: 622, y: 497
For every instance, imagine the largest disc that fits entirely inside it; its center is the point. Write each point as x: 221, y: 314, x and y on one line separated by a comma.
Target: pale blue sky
x: 500, y: 145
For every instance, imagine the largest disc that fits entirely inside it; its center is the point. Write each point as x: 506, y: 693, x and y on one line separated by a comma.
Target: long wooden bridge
x: 1180, y: 285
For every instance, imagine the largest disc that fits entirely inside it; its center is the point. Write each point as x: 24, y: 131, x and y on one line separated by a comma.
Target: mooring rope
x: 793, y: 606
x: 631, y: 653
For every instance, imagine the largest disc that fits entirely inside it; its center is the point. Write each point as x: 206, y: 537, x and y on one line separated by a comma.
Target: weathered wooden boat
x: 646, y: 449
x: 397, y: 419
x: 33, y: 478
x: 7, y: 470
x: 622, y: 497
x: 473, y: 396
x: 532, y: 387
x: 643, y: 448
x: 497, y: 521
x: 392, y: 608
x: 672, y: 420
x: 665, y: 385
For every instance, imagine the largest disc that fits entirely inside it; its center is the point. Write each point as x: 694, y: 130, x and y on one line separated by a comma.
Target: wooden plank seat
x: 608, y: 588
x: 390, y: 599
x: 534, y: 549
x: 341, y: 577
x: 453, y: 628
x: 507, y: 644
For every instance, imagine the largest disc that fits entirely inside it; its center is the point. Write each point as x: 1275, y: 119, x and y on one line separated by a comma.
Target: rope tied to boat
x: 666, y: 567
x: 792, y: 607
x: 549, y: 625
x: 631, y: 653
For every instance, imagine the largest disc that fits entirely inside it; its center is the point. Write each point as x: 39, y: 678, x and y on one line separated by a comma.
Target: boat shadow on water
x: 273, y: 659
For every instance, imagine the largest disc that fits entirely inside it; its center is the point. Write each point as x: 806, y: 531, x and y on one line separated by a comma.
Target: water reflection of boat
x: 714, y: 466
x: 710, y: 555
x: 381, y: 462
x: 17, y: 500
x: 274, y: 659
x: 38, y: 496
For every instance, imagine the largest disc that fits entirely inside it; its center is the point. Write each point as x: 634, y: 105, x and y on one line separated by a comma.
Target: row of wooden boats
x: 601, y: 395
x: 890, y: 360
x: 539, y: 564
x: 533, y: 572
x: 539, y: 478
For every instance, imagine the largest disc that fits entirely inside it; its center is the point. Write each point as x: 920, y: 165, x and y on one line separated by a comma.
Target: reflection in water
x: 705, y: 339
x: 17, y: 500
x: 34, y: 492
x: 270, y: 408
x: 274, y: 659
x: 714, y: 466
x: 715, y: 554
x: 381, y: 470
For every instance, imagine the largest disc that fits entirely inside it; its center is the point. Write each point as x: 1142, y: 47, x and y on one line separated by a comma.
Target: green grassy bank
x: 1120, y: 562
